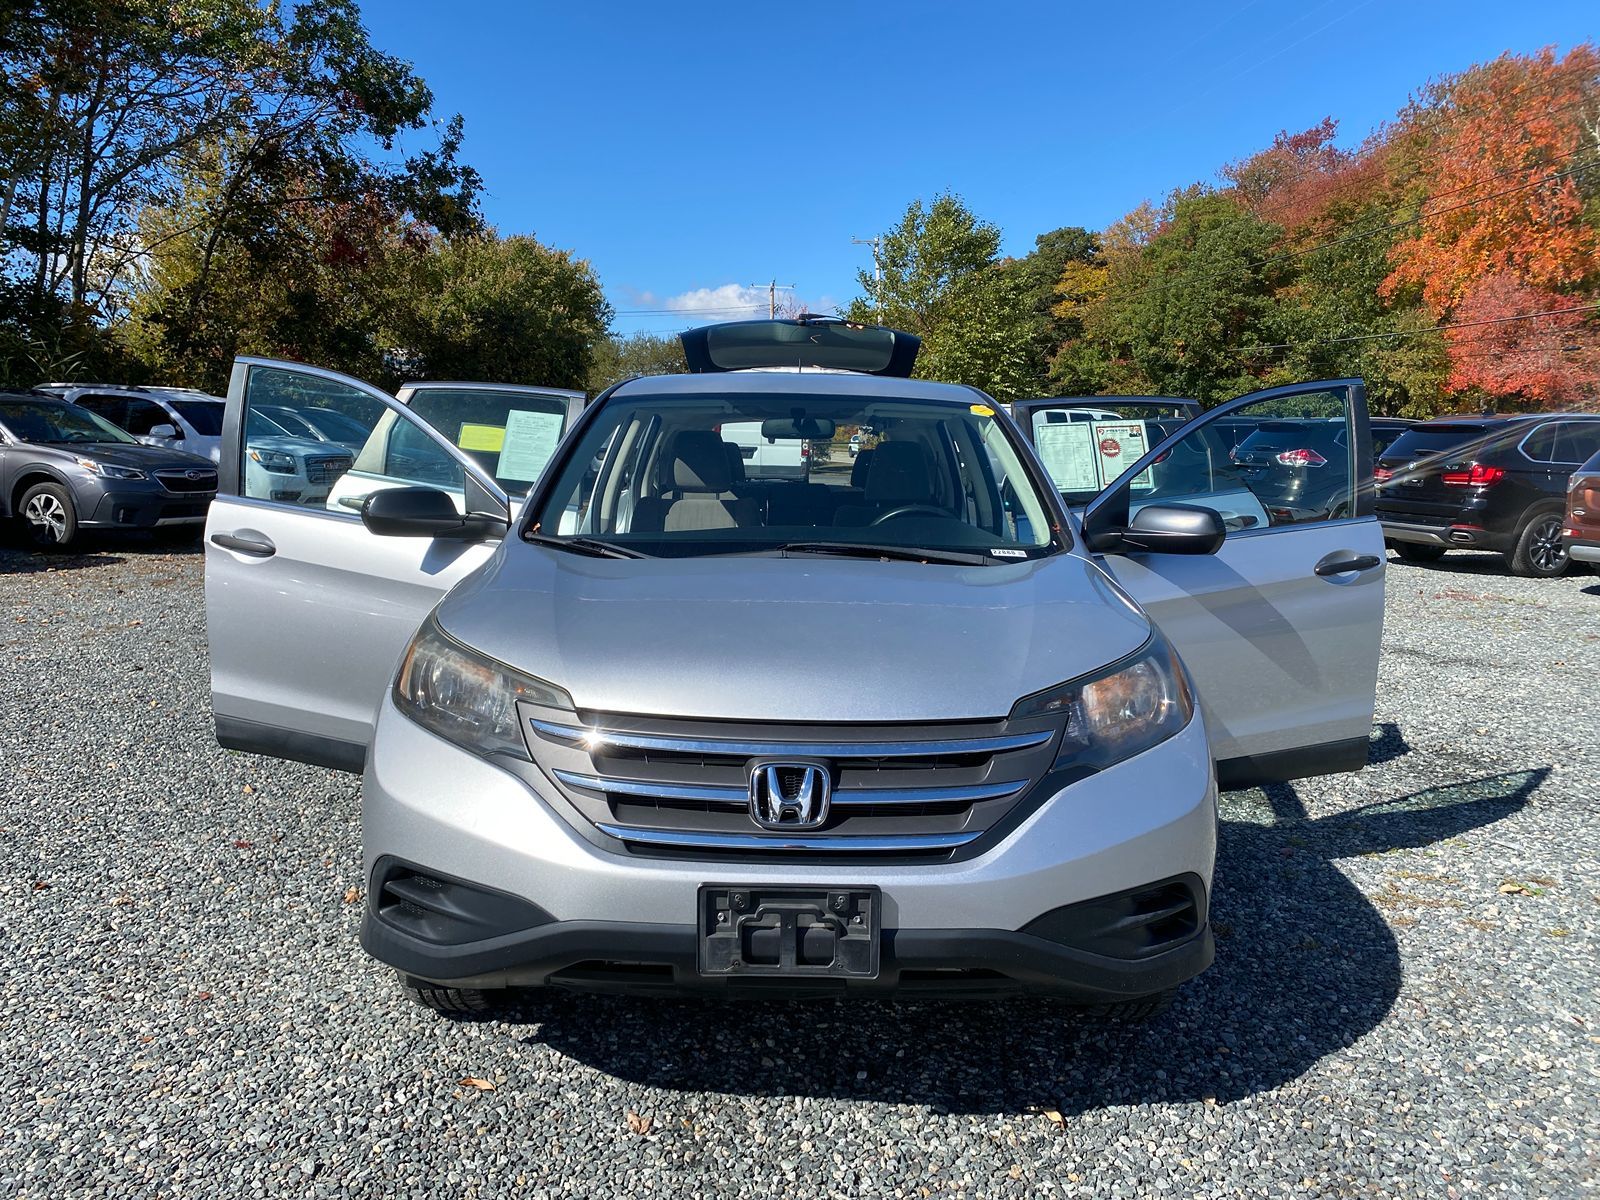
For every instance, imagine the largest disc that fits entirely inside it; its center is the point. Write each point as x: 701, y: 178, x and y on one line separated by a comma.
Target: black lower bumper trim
x: 649, y: 958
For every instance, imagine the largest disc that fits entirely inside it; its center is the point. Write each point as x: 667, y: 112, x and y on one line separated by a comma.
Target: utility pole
x: 773, y: 288
x: 876, y: 242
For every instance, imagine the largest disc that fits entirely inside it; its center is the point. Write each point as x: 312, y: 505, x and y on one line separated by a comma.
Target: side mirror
x: 165, y: 431
x: 425, y: 512
x: 1175, y: 529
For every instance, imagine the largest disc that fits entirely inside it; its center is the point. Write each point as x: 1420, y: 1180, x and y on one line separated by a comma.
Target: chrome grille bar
x: 596, y: 739
x: 684, y: 839
x: 735, y: 797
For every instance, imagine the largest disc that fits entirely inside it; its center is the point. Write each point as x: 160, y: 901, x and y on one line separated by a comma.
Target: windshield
x: 204, y: 415
x: 761, y: 472
x: 57, y: 424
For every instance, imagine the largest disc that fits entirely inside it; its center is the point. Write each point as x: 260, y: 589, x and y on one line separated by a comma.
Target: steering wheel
x: 905, y: 510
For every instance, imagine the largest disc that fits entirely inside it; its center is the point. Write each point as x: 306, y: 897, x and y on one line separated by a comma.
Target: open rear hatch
x: 805, y: 342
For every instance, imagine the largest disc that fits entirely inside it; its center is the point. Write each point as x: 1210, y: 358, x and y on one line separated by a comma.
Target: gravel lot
x: 1404, y: 1002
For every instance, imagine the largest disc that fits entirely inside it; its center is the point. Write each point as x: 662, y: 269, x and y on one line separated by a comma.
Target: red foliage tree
x: 1552, y: 360
x: 1302, y: 177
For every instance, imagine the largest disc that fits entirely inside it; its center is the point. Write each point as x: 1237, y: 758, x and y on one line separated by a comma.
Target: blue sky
x: 692, y: 150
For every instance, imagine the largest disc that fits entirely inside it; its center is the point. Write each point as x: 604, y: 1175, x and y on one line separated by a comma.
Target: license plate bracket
x: 777, y: 930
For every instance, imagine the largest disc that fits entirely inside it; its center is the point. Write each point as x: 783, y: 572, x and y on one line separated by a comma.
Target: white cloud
x: 727, y: 302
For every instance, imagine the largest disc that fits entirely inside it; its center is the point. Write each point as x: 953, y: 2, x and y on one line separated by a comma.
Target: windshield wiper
x: 593, y: 547
x: 898, y: 553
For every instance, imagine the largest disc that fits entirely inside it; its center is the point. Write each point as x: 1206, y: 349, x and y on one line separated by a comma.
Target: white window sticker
x: 530, y: 442
x: 1068, y: 453
x: 1118, y: 445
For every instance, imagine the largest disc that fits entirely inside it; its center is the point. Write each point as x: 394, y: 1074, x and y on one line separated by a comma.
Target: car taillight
x: 805, y: 449
x: 1301, y: 458
x: 1382, y: 474
x: 1477, y: 475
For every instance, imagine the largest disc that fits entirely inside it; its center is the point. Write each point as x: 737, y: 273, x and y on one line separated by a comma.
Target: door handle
x: 1341, y: 561
x: 253, y: 547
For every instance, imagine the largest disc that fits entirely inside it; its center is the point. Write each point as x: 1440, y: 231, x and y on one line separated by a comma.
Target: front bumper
x: 426, y: 802
x: 146, y: 509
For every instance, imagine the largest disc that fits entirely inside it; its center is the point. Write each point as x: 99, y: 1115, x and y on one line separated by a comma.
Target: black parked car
x: 63, y: 469
x: 1484, y: 483
x: 1284, y: 462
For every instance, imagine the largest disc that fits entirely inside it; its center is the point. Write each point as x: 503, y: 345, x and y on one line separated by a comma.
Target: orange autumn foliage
x: 1498, y: 145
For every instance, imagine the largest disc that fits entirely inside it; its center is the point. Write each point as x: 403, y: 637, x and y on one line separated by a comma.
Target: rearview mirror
x: 165, y: 431
x: 792, y: 429
x: 425, y: 512
x: 1175, y: 529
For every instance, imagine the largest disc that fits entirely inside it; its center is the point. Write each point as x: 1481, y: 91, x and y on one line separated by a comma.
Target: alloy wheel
x: 1545, y: 548
x: 48, y: 517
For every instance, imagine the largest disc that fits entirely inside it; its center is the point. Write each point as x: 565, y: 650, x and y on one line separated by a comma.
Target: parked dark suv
x: 1484, y: 483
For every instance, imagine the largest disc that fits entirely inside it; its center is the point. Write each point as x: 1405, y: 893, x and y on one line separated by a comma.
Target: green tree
x: 942, y: 280
x: 1198, y: 295
x: 502, y: 310
x: 617, y: 358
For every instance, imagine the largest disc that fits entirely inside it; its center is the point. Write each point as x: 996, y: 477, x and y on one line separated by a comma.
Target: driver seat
x: 901, y: 473
x: 696, y: 489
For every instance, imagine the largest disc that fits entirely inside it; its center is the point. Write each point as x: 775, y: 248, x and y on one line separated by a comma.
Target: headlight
x: 1134, y: 705
x: 275, y: 461
x: 465, y: 697
x: 108, y: 471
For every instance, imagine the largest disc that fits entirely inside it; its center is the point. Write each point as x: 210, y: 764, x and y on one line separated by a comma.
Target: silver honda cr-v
x: 653, y: 719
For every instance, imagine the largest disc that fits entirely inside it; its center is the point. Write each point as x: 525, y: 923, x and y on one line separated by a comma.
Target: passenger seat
x: 696, y: 490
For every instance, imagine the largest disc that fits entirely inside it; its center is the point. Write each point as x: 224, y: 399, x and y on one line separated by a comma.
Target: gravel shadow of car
x: 17, y: 557
x: 1306, y: 964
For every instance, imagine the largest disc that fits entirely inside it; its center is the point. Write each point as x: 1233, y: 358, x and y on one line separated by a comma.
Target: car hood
x: 793, y: 639
x: 145, y: 458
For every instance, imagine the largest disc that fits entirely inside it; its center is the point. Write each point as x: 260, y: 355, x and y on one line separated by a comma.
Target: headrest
x: 900, y: 475
x: 735, y: 462
x: 699, y: 463
x: 861, y: 468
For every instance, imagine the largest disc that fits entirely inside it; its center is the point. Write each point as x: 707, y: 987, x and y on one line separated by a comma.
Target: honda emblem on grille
x: 789, y: 795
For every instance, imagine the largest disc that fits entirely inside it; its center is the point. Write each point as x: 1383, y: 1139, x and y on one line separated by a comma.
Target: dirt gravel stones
x: 1403, y: 1002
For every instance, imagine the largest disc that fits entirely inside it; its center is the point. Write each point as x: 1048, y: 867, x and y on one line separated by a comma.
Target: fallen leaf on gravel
x: 638, y: 1124
x: 483, y: 1085
x: 1514, y: 889
x: 241, y: 844
x: 202, y: 995
x: 248, y: 789
x: 352, y: 894
x: 40, y: 885
x: 1055, y: 1118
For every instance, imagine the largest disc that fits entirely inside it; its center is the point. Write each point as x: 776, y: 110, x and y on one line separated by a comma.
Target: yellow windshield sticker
x: 489, y: 438
x: 982, y: 410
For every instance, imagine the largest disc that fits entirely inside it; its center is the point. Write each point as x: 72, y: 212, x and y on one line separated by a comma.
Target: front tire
x: 49, y: 516
x: 1539, y: 552
x: 1135, y: 1012
x: 449, y: 1001
x: 1415, y: 552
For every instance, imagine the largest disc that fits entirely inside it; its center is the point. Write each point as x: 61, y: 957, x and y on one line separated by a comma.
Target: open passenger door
x: 1280, y: 628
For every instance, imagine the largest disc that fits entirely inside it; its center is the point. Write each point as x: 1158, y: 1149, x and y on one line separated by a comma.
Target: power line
x: 1395, y: 333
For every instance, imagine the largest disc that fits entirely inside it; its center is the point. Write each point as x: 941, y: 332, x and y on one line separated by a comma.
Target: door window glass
x: 1580, y: 441
x: 1540, y: 445
x: 386, y: 447
x: 1280, y: 461
x: 143, y: 416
